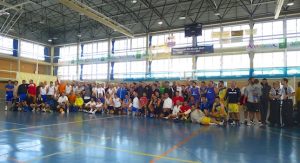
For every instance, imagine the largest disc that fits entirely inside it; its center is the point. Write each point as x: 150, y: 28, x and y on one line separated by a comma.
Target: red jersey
x: 31, y: 89
x: 179, y: 98
x: 143, y: 101
x: 184, y: 108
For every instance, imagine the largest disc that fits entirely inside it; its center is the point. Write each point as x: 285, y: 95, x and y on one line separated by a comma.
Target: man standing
x: 22, y: 90
x: 32, y: 90
x: 233, y: 96
x: 265, y: 90
x: 9, y: 93
x: 287, y: 93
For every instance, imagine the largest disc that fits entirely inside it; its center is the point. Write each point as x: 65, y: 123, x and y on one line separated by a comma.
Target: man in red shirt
x: 31, y: 91
x: 185, y: 111
x: 177, y: 98
x: 143, y: 103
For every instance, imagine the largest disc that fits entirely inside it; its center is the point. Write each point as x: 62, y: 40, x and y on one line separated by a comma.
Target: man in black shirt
x: 264, y: 100
x: 233, y: 95
x: 22, y: 90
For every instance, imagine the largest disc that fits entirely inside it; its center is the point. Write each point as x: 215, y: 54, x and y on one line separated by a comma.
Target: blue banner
x: 193, y: 50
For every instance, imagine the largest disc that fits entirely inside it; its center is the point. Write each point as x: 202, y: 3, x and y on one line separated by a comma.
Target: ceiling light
x: 50, y: 40
x: 291, y: 3
x: 79, y: 35
x: 54, y: 38
x: 182, y: 17
x: 134, y: 1
x: 160, y: 22
x: 217, y: 14
x: 42, y: 22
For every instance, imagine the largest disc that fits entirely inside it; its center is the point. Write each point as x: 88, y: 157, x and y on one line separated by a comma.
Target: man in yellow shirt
x: 218, y: 110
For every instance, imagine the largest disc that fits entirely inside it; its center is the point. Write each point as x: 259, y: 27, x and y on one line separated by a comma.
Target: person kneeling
x: 218, y: 111
x: 90, y: 106
x: 63, y: 104
x: 175, y: 111
x: 185, y: 111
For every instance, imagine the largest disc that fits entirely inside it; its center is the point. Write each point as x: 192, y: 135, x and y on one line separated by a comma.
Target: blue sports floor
x: 82, y: 138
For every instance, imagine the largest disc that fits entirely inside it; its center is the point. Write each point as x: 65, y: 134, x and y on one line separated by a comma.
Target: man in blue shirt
x: 121, y: 92
x: 9, y: 93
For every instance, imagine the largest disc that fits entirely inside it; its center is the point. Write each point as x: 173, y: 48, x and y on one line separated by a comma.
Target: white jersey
x: 51, y: 90
x: 43, y: 91
x: 117, y: 102
x: 62, y: 99
x: 100, y: 91
x: 68, y: 89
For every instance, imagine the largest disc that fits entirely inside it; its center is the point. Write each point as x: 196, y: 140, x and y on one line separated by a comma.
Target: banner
x: 238, y: 33
x: 193, y: 50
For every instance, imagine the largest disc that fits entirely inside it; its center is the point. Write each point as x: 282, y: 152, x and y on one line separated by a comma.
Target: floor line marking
x: 82, y: 134
x: 109, y: 148
x: 285, y: 135
x: 58, y: 124
x: 15, y: 123
x: 185, y: 140
x: 52, y: 154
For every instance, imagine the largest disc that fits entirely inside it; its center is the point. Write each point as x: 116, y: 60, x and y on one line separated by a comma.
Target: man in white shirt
x: 287, y: 93
x: 100, y: 90
x: 68, y: 89
x: 90, y: 106
x: 167, y: 106
x: 63, y: 103
x: 135, y: 103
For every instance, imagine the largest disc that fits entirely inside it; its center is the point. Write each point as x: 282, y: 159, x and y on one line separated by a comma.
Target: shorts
x: 23, y: 96
x: 9, y: 97
x: 253, y: 107
x: 205, y: 121
x: 133, y: 109
x: 44, y: 97
x: 233, y: 108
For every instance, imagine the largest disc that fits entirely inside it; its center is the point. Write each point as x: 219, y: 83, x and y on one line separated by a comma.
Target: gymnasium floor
x: 80, y: 138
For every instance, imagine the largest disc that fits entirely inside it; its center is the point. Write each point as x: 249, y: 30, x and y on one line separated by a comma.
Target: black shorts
x: 253, y: 107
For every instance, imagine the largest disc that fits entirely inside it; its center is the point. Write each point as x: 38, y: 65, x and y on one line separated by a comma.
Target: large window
x: 67, y: 53
x: 180, y: 67
x: 94, y: 71
x: 209, y: 66
x: 235, y: 65
x: 67, y: 73
x: 134, y: 69
x: 95, y: 50
x: 6, y: 45
x: 293, y: 62
x: 268, y: 63
x: 210, y: 37
x: 32, y: 50
x: 121, y: 47
x: 238, y: 36
x: 268, y: 32
x: 293, y: 30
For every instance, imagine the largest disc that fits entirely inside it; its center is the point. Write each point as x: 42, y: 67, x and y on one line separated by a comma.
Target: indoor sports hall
x: 149, y: 81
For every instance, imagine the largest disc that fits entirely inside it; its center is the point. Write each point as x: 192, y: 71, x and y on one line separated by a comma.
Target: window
x: 67, y: 53
x: 209, y: 66
x: 293, y: 62
x: 180, y: 67
x: 268, y: 63
x: 138, y: 46
x: 6, y: 45
x: 235, y: 65
x: 241, y: 39
x: 210, y: 37
x: 94, y: 71
x: 95, y: 50
x: 268, y: 32
x: 67, y: 72
x: 121, y: 47
x: 134, y: 69
x: 181, y: 40
x: 32, y: 50
x: 293, y: 30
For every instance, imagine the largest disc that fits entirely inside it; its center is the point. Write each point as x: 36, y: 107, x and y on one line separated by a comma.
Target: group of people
x: 199, y: 102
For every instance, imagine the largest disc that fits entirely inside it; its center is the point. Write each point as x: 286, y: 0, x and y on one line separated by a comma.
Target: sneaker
x: 166, y: 117
x: 44, y: 110
x: 252, y: 123
x: 232, y: 123
x: 221, y: 123
x: 5, y: 108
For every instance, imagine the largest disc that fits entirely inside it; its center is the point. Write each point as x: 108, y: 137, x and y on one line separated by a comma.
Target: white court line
x: 58, y: 124
x: 14, y: 123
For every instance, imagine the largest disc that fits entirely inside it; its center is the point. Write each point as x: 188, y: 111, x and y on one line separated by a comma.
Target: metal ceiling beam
x: 95, y: 15
x: 279, y: 5
x: 154, y: 9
